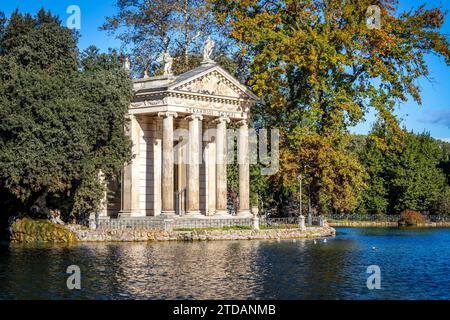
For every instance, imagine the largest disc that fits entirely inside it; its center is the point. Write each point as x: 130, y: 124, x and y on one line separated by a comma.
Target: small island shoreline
x: 365, y: 224
x: 29, y: 231
x: 134, y: 235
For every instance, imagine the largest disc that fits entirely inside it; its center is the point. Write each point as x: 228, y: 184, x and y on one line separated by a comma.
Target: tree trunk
x: 186, y: 34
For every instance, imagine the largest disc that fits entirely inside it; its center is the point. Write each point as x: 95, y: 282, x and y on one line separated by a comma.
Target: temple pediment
x: 207, y: 89
x: 215, y: 82
x: 211, y: 84
x: 210, y: 80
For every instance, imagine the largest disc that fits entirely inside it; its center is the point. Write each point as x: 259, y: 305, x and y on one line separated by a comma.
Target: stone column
x: 167, y: 196
x: 244, y: 170
x: 221, y: 166
x: 157, y: 165
x: 130, y: 173
x: 103, y: 209
x: 193, y: 185
x: 211, y: 165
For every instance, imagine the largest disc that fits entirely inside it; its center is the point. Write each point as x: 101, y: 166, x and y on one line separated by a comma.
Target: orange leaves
x: 321, y: 68
x: 337, y: 175
x: 236, y: 34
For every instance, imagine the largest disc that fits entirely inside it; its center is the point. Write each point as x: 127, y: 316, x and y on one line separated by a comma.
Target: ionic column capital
x: 167, y: 114
x: 194, y: 116
x: 221, y: 120
x: 242, y: 123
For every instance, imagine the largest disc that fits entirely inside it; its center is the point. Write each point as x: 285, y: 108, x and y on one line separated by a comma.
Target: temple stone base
x: 168, y: 213
x: 244, y: 214
x: 202, y: 235
x: 129, y: 214
x: 193, y: 213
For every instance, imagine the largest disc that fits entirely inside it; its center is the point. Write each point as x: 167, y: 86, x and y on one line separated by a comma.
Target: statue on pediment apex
x: 207, y: 50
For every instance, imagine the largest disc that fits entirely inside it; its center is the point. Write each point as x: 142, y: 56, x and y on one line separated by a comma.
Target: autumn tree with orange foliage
x: 319, y: 69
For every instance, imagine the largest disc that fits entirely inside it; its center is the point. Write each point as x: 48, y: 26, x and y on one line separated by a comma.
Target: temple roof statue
x: 127, y: 64
x: 167, y: 61
x: 207, y: 50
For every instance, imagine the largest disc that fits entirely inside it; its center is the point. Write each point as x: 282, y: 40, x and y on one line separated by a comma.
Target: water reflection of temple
x: 178, y: 270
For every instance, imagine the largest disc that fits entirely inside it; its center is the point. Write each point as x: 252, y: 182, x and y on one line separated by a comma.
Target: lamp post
x: 301, y: 217
x: 305, y: 167
x: 300, y: 178
x: 309, y: 206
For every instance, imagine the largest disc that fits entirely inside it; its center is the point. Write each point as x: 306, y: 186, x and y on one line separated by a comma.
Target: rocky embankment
x: 202, y: 235
x: 27, y: 230
x: 364, y: 224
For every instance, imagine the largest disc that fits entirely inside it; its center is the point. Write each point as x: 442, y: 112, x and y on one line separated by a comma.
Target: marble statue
x: 207, y: 50
x: 127, y: 64
x: 167, y: 61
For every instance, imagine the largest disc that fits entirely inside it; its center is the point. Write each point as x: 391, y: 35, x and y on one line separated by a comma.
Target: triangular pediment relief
x: 215, y: 82
x: 211, y: 84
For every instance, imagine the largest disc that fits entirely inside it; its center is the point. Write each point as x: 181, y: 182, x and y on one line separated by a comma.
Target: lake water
x: 414, y: 263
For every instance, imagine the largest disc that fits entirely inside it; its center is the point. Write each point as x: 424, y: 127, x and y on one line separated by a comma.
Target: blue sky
x: 432, y: 116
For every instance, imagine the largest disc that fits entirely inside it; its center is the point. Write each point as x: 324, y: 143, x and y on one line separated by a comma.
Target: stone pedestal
x: 92, y: 221
x: 301, y: 223
x: 168, y: 225
x: 255, y: 222
x: 322, y: 221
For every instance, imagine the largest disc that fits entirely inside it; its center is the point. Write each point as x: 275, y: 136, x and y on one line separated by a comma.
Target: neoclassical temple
x: 178, y: 126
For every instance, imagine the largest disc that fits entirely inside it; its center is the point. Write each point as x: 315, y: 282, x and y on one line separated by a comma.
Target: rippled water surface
x: 415, y: 264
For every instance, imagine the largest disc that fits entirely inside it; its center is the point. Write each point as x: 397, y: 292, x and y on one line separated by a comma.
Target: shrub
x: 410, y: 218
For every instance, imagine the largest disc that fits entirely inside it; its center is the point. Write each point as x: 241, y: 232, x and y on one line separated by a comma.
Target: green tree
x: 320, y: 69
x: 406, y: 175
x: 416, y: 179
x: 374, y: 156
x: 62, y: 118
x: 149, y: 28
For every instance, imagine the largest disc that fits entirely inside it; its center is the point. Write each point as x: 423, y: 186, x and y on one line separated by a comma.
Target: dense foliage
x: 407, y: 175
x: 320, y: 69
x: 148, y: 28
x: 62, y: 118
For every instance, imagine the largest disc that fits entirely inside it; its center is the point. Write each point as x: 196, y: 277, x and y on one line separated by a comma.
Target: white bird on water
x: 315, y: 242
x: 324, y: 240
